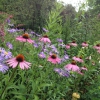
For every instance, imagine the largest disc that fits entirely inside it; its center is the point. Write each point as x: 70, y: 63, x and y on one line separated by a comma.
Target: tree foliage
x: 32, y: 13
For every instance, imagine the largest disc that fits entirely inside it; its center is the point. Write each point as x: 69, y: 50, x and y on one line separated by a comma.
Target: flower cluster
x: 4, y: 55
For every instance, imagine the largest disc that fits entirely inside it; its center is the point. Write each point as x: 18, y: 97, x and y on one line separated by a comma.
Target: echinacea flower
x: 97, y: 47
x: 3, y: 68
x: 84, y: 44
x: 54, y: 59
x: 67, y: 46
x: 72, y: 67
x: 78, y: 59
x: 24, y: 38
x: 74, y: 44
x: 45, y: 39
x: 18, y: 60
x: 82, y: 69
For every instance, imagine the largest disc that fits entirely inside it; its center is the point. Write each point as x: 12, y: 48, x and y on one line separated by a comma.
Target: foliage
x: 54, y: 22
x: 32, y: 13
x: 45, y: 80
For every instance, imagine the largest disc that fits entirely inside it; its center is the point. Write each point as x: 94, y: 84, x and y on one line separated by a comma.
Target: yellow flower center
x: 76, y: 95
x: 6, y: 53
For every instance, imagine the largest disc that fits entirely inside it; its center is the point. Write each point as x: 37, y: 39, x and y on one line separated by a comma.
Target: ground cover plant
x: 51, y: 65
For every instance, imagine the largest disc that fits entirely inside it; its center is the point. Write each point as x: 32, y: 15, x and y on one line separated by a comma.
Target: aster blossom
x: 62, y: 72
x: 45, y: 30
x: 6, y: 54
x: 3, y: 67
x: 9, y: 45
x: 24, y: 38
x: 18, y: 60
x: 42, y: 55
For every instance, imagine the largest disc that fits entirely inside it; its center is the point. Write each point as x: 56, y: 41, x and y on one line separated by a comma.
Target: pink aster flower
x: 72, y: 67
x: 67, y: 46
x: 54, y: 59
x: 84, y: 44
x: 45, y: 39
x: 78, y: 59
x: 18, y: 60
x: 24, y: 38
x: 73, y: 44
x: 97, y: 47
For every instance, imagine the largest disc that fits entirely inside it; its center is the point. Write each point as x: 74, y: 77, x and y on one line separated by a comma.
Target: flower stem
x: 12, y: 75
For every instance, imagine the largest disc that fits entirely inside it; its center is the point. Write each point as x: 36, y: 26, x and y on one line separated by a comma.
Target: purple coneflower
x: 24, y: 38
x: 45, y: 39
x: 73, y: 44
x: 67, y: 46
x: 97, y: 47
x: 78, y: 59
x: 84, y: 44
x: 18, y: 60
x: 72, y: 67
x: 54, y: 59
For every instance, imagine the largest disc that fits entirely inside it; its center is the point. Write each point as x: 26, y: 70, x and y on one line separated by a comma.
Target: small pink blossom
x: 84, y: 44
x: 72, y: 67
x: 45, y: 39
x: 67, y: 46
x: 73, y: 44
x: 18, y: 60
x: 82, y: 69
x: 78, y: 59
x: 24, y: 38
x: 54, y: 59
x: 97, y: 47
